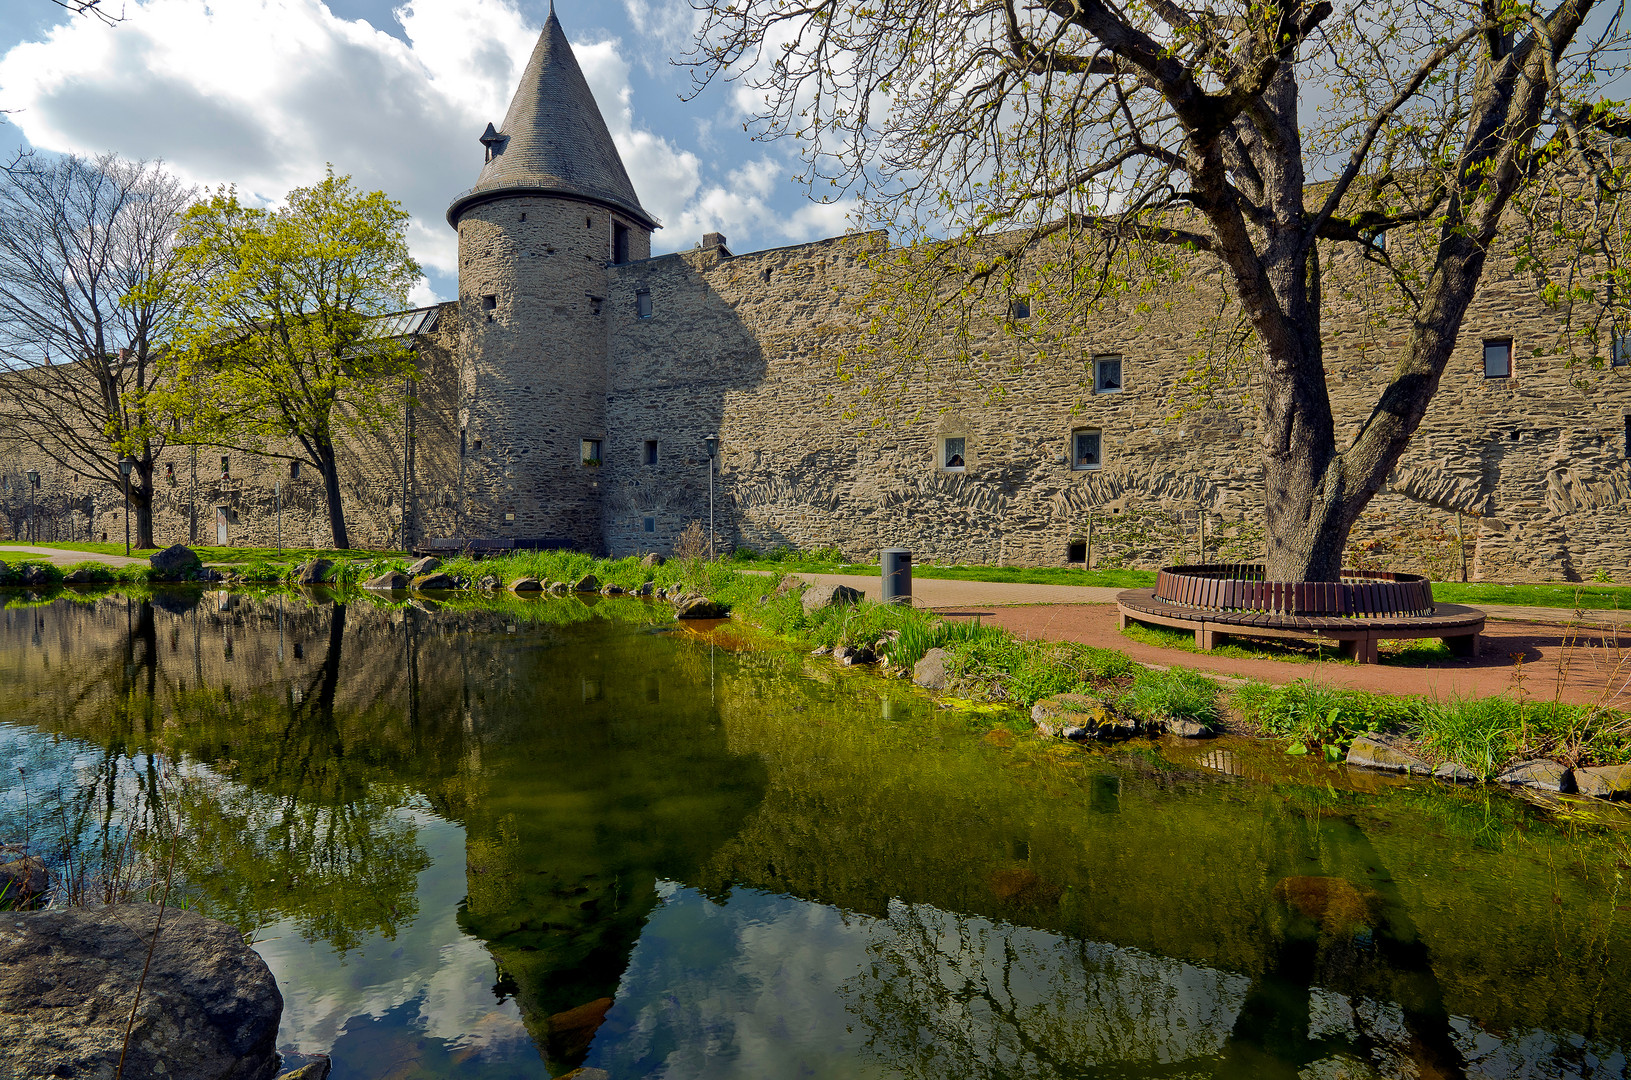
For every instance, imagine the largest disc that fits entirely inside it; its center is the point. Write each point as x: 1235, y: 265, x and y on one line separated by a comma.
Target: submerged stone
x: 1370, y: 752
x: 208, y: 1009
x: 1604, y: 781
x: 1456, y: 774
x: 1078, y: 717
x: 698, y: 607
x: 1541, y: 774
x: 434, y: 583
x: 314, y: 572
x: 391, y: 581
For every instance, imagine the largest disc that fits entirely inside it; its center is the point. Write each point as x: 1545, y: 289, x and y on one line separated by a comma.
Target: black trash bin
x: 897, y: 576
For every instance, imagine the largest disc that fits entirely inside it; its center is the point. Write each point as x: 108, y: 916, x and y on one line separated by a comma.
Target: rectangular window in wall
x: 620, y: 243
x: 642, y: 303
x: 1497, y: 359
x: 1019, y: 309
x: 591, y: 451
x: 651, y: 451
x: 1619, y: 352
x: 1086, y: 448
x: 951, y: 453
x: 1107, y: 375
x: 648, y: 524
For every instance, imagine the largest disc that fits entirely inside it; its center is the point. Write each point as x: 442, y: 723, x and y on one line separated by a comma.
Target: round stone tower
x: 552, y: 207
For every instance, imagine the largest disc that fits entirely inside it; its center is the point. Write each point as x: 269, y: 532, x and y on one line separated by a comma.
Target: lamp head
x: 712, y: 443
x: 126, y: 464
x: 34, y: 477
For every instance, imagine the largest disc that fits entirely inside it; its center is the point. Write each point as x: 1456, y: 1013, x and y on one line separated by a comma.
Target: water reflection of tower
x: 595, y: 786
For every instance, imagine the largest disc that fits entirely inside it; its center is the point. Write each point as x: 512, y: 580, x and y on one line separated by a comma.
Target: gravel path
x: 59, y: 557
x: 1589, y: 663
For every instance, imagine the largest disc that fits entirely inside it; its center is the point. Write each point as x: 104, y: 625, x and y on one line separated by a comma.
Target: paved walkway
x: 1588, y: 663
x: 61, y: 557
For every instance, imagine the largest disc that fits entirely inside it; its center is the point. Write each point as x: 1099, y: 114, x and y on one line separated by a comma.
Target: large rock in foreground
x: 175, y: 563
x: 209, y: 1007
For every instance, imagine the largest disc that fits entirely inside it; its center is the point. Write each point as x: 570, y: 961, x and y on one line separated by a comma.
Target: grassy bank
x: 987, y: 663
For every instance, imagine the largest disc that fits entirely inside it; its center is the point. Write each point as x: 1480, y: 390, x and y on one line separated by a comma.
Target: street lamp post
x: 33, y: 486
x: 126, y: 464
x: 712, y: 442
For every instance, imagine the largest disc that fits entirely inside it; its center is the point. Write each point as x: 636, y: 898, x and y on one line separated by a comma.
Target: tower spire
x: 553, y: 139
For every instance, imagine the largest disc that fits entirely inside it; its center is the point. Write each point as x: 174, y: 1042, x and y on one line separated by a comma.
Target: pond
x: 510, y: 841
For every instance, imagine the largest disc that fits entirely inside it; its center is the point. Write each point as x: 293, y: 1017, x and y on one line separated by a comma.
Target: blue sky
x: 262, y: 93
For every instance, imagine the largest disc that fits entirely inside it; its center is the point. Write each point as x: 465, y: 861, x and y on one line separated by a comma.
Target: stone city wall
x: 196, y: 500
x: 1524, y: 477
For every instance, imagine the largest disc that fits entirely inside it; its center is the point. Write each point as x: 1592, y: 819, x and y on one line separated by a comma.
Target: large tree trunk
x: 141, y: 503
x: 330, y: 469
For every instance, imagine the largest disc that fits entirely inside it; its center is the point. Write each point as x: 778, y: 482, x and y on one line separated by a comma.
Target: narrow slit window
x: 642, y: 303
x: 651, y: 451
x: 620, y: 243
x: 1497, y: 359
x: 1619, y: 354
x: 489, y: 304
x: 1107, y: 375
x: 951, y: 456
x: 591, y: 451
x: 1086, y: 448
x: 294, y: 470
x: 226, y: 466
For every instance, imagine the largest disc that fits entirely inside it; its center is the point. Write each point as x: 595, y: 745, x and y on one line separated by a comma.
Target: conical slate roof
x: 553, y: 140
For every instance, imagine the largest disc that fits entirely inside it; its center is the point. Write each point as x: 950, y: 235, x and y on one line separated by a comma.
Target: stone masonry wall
x: 1524, y: 477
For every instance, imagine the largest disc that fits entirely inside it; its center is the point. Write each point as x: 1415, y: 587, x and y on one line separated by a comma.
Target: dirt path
x: 59, y: 557
x: 1589, y: 664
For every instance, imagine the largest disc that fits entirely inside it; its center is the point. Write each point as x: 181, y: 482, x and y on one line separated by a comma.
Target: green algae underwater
x: 511, y: 839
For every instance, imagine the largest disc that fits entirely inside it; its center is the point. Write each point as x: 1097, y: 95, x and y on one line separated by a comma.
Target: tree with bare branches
x: 1093, y: 146
x: 87, y: 253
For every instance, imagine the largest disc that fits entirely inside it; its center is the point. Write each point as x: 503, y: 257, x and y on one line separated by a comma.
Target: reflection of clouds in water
x: 773, y: 986
x: 765, y: 985
x: 431, y: 961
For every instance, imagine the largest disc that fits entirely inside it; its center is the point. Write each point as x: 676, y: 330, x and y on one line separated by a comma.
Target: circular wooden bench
x: 1218, y: 602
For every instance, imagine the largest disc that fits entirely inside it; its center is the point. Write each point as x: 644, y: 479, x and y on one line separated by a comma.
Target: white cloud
x: 263, y: 93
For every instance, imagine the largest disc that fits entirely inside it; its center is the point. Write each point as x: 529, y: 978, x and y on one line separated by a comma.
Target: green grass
x: 1174, y: 694
x: 1552, y: 595
x: 1483, y: 735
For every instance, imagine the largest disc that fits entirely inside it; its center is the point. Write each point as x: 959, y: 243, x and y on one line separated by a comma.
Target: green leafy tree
x: 280, y: 351
x: 1271, y: 154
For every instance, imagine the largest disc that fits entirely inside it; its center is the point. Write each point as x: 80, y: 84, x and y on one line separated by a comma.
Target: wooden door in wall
x: 220, y: 526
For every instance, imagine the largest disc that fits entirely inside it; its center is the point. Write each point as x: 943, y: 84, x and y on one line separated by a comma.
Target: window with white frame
x: 1498, y: 359
x: 1107, y: 375
x: 951, y: 453
x: 1086, y: 448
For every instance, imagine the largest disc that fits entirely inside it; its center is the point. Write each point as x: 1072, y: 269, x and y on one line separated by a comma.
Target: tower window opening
x: 1498, y: 359
x: 489, y: 304
x: 651, y: 451
x: 620, y: 243
x: 642, y: 303
x: 1085, y: 448
x: 1107, y: 375
x: 591, y: 451
x: 1620, y: 351
x: 648, y: 524
x: 226, y: 466
x: 951, y: 455
x: 294, y: 470
x: 523, y: 215
x: 1019, y: 309
x: 588, y: 223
